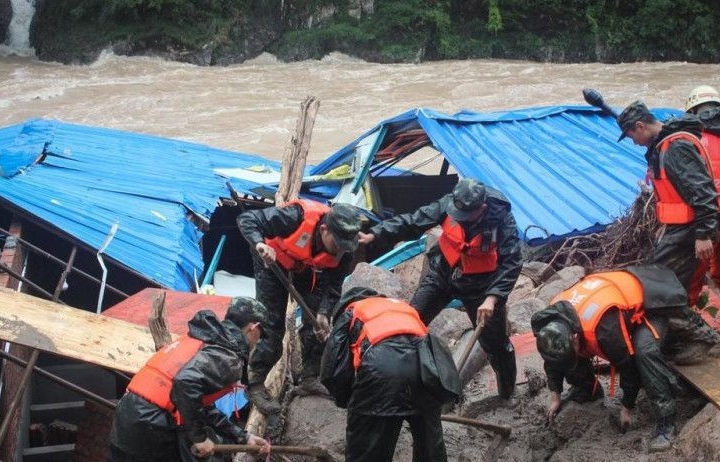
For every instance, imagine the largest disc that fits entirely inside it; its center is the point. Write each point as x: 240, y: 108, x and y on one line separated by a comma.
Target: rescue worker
x: 315, y: 243
x: 704, y: 102
x: 371, y: 366
x: 168, y: 412
x: 476, y: 259
x: 686, y: 207
x: 619, y: 316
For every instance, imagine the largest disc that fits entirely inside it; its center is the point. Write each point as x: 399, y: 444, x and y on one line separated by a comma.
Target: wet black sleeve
x: 613, y: 345
x: 336, y: 368
x: 210, y: 370
x: 256, y: 225
x: 410, y: 226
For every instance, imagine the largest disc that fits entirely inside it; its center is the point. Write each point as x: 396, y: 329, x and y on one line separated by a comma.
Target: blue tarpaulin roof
x: 86, y: 178
x: 561, y: 166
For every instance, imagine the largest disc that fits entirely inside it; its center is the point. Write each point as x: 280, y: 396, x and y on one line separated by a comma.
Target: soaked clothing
x: 444, y: 283
x: 320, y: 289
x: 142, y: 431
x: 711, y: 127
x: 676, y: 247
x: 647, y: 368
x: 687, y: 172
x: 385, y: 391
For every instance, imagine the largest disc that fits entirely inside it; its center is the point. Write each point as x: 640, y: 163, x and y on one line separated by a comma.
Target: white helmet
x: 700, y: 95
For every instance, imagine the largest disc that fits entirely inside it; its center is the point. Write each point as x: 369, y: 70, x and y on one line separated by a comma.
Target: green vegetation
x: 397, y: 31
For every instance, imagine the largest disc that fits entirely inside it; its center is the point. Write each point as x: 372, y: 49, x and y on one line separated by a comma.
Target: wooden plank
x: 73, y: 333
x: 704, y: 376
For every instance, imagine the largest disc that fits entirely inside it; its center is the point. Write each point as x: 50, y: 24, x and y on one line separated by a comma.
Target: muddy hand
x: 267, y: 253
x: 553, y: 408
x: 323, y: 330
x: 365, y: 238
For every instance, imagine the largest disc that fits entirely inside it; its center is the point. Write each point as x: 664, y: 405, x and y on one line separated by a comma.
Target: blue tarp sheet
x: 561, y: 166
x: 87, y: 178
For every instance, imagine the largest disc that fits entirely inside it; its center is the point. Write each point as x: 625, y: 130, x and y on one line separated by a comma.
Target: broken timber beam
x: 291, y: 173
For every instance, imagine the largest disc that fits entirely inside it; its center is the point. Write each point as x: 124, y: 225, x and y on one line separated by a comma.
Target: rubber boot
x: 506, y: 374
x: 663, y: 436
x: 260, y: 397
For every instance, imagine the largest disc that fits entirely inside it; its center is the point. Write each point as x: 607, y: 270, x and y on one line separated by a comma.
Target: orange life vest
x: 670, y: 207
x: 711, y: 142
x: 596, y: 294
x: 383, y: 318
x: 295, y: 251
x: 154, y: 381
x: 473, y: 256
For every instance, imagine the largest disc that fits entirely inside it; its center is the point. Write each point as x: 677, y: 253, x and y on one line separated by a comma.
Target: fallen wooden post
x: 320, y: 453
x: 499, y: 429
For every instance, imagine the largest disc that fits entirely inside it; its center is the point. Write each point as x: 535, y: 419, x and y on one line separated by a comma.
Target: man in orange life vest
x: 316, y: 243
x: 686, y: 205
x: 619, y: 316
x: 168, y: 412
x: 477, y: 259
x: 371, y: 366
x: 704, y: 102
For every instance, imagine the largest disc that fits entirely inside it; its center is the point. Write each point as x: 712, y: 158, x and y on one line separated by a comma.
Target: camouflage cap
x: 468, y: 197
x: 554, y: 343
x: 631, y: 114
x: 343, y: 221
x: 244, y: 310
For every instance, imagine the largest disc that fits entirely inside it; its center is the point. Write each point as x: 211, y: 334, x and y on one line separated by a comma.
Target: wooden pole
x: 499, y: 429
x: 296, y: 152
x: 293, y: 166
x: 469, y: 348
x: 320, y: 453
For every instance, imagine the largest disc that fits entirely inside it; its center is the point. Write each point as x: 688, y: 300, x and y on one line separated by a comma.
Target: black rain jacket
x: 686, y: 170
x: 388, y: 382
x: 271, y: 222
x: 499, y: 215
x: 143, y: 428
x: 662, y: 294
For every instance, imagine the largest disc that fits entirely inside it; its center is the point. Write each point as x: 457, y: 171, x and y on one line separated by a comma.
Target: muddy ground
x: 580, y: 433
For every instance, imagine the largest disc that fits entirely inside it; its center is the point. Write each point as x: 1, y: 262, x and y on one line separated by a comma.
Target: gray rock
x: 519, y: 314
x: 451, y: 324
x: 522, y: 289
x: 538, y: 271
x: 383, y: 281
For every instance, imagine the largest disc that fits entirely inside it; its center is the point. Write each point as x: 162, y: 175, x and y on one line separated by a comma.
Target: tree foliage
x: 408, y: 30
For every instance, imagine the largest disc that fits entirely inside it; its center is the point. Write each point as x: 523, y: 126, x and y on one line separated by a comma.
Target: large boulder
x: 383, y: 281
x: 519, y: 314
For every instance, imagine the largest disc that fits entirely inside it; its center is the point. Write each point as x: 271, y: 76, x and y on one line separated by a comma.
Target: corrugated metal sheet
x: 91, y: 177
x: 561, y: 166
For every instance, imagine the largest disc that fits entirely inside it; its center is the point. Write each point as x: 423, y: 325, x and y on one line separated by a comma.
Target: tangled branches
x: 625, y: 242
